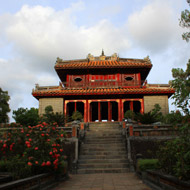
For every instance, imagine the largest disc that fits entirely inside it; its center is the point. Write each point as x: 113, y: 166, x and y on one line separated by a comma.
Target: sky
x: 35, y: 32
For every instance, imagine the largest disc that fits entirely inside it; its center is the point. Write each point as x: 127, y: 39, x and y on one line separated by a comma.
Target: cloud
x: 153, y: 27
x: 37, y: 35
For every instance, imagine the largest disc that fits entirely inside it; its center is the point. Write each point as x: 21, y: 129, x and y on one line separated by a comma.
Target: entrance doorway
x: 114, y: 111
x: 73, y: 107
x: 104, y: 110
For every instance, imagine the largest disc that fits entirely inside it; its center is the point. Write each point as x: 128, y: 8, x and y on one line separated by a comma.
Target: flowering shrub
x: 39, y: 148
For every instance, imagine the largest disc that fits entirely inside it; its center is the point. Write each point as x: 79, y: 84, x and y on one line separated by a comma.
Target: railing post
x: 74, y: 131
x: 130, y: 130
x: 124, y: 128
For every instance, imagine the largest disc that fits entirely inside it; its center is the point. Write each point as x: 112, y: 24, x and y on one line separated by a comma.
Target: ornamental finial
x: 102, y: 52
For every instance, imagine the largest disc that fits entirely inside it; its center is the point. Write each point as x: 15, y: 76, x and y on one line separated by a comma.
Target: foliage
x: 4, y: 106
x: 185, y: 22
x: 150, y: 117
x: 173, y: 118
x: 26, y: 116
x: 181, y: 83
x: 174, y: 157
x: 51, y: 117
x: 129, y: 114
x: 148, y: 164
x: 33, y: 150
x: 77, y: 115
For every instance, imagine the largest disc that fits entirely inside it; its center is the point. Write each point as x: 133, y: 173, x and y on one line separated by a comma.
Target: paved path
x: 121, y: 181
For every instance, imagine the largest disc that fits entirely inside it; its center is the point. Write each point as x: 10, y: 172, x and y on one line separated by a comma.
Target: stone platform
x: 104, y: 181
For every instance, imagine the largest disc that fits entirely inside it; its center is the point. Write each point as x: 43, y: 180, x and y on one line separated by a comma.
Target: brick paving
x: 110, y: 181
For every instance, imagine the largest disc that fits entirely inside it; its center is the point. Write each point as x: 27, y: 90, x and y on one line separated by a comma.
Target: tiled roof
x: 103, y: 64
x: 102, y: 91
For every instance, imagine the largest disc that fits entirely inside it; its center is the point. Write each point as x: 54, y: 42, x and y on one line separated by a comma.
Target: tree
x: 50, y: 117
x: 26, y: 117
x: 181, y: 83
x: 185, y: 22
x: 4, y: 106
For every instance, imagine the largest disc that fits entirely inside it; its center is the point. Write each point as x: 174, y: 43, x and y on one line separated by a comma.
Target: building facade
x: 103, y: 88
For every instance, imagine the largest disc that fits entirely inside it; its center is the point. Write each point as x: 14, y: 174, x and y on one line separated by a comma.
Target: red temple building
x: 103, y: 88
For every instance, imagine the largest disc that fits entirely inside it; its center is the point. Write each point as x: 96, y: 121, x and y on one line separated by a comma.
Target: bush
x: 50, y: 117
x: 174, y: 157
x: 26, y: 117
x: 77, y: 115
x: 129, y: 114
x: 145, y: 118
x: 151, y: 117
x: 147, y: 164
x: 173, y: 118
x: 33, y: 150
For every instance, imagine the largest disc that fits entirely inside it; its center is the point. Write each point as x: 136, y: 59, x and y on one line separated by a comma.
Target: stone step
x: 103, y: 123
x: 103, y: 133
x: 91, y: 161
x: 118, y: 144
x: 90, y: 149
x: 103, y: 165
x: 104, y: 141
x: 85, y: 157
x: 109, y: 153
x: 103, y: 137
x: 103, y: 170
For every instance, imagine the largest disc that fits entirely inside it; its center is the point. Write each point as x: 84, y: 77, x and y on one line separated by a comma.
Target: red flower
x: 53, y: 128
x: 36, y: 162
x: 36, y: 148
x: 29, y: 163
x: 4, y: 146
x: 48, y: 163
x: 27, y: 135
x: 61, y: 135
x: 61, y: 150
x: 30, y: 139
x: 50, y: 153
x: 42, y: 135
x: 48, y: 140
x: 43, y: 164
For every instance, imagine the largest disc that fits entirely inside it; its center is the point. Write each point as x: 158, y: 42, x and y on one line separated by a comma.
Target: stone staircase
x: 103, y: 150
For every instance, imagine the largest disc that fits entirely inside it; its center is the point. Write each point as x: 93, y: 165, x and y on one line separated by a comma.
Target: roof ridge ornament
x: 147, y: 58
x: 90, y: 57
x: 59, y: 60
x: 102, y: 52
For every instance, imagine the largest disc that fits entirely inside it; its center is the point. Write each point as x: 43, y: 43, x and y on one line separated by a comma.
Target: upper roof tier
x: 104, y: 63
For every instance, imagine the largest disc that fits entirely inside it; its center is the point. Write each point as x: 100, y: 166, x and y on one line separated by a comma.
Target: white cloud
x: 40, y: 34
x: 36, y: 35
x: 153, y: 28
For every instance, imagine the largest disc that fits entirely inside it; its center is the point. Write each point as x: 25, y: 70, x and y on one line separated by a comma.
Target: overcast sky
x: 35, y: 32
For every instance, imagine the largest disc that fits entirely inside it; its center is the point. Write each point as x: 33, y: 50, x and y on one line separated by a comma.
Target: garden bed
x: 160, y: 181
x: 41, y: 181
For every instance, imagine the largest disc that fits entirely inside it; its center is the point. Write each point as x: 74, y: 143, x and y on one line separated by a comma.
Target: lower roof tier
x: 101, y: 91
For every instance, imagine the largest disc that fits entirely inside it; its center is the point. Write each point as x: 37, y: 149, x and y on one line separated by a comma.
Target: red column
x: 109, y: 114
x: 131, y: 105
x: 120, y: 110
x: 90, y: 113
x: 110, y: 110
x: 65, y: 109
x: 99, y: 111
x: 75, y: 106
x: 85, y: 112
x: 142, y: 106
